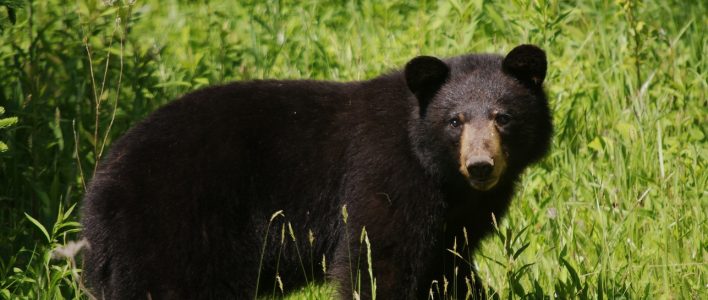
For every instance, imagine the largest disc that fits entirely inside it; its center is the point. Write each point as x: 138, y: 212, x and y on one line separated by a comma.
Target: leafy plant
x: 4, y: 123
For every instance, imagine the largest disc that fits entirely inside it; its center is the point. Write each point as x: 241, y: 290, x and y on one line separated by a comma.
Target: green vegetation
x: 618, y: 209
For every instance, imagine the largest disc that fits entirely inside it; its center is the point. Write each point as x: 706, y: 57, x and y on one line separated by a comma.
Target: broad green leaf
x: 40, y: 226
x: 6, y: 122
x: 595, y: 144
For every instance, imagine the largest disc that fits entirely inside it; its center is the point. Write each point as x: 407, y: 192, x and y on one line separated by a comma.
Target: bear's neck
x: 470, y: 208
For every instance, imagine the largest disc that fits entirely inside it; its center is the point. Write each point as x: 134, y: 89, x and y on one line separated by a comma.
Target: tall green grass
x: 617, y: 210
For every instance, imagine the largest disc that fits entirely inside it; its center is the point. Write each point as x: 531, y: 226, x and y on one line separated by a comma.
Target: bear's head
x: 479, y: 118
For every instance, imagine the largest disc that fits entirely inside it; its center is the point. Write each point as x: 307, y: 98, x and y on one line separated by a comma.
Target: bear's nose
x: 480, y: 169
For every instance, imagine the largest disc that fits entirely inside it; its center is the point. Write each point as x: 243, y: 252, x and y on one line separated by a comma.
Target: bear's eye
x: 455, y: 122
x: 502, y: 119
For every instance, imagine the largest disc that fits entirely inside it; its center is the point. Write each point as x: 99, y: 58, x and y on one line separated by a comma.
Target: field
x: 618, y: 210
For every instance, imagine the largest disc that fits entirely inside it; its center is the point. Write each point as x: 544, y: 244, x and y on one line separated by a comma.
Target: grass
x: 617, y: 210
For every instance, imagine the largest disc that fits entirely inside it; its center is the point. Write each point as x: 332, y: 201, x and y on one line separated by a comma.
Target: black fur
x: 180, y: 206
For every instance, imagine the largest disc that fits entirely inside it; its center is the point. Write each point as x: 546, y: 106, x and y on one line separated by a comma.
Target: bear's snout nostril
x: 480, y: 169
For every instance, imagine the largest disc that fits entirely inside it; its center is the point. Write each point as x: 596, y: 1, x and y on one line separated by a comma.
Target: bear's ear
x: 424, y: 77
x: 527, y: 63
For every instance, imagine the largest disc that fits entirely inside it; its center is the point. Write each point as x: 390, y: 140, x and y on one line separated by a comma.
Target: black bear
x: 180, y: 207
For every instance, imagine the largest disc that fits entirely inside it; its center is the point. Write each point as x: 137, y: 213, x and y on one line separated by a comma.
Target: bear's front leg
x: 390, y: 282
x: 459, y: 268
x: 404, y: 242
x: 394, y: 272
x: 460, y: 277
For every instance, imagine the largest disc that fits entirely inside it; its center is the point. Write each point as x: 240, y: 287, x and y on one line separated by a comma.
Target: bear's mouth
x: 483, y: 184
